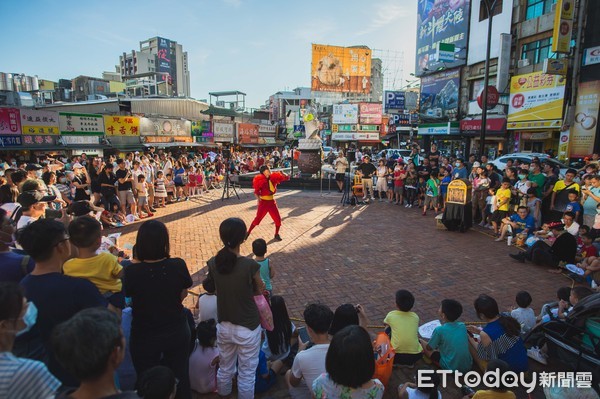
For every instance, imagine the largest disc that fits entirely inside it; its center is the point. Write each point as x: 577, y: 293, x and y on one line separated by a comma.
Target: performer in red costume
x: 265, y: 187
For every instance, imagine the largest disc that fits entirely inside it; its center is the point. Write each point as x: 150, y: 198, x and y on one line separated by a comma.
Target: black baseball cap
x: 28, y: 198
x: 33, y: 166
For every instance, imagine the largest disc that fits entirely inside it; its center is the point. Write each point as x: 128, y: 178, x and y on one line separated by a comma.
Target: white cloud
x: 384, y: 14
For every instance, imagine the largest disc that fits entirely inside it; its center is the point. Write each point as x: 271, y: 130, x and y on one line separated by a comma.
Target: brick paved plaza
x: 362, y: 254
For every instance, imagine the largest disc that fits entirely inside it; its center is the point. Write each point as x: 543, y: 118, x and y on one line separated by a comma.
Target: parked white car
x: 527, y: 157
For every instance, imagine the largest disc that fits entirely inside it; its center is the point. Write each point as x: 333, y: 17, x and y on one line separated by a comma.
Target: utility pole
x: 490, y: 6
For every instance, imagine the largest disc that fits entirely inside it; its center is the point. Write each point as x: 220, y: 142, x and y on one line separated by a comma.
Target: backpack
x: 16, y: 214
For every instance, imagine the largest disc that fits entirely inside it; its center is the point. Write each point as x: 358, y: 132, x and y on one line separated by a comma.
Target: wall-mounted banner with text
x: 34, y: 121
x: 441, y: 21
x: 536, y: 101
x: 87, y: 124
x: 122, y: 125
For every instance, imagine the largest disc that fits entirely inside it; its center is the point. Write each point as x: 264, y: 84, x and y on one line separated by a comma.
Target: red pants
x: 264, y: 207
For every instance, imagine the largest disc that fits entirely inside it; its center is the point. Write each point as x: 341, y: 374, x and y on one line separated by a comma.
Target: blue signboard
x: 393, y: 100
x: 10, y: 141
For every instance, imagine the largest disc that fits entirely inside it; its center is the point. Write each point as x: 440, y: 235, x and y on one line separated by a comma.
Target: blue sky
x: 255, y: 46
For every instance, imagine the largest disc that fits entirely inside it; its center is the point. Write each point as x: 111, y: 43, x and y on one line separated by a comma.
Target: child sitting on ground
x: 587, y: 248
x: 550, y: 310
x: 449, y: 343
x: 404, y: 330
x: 524, y: 314
x: 207, y: 303
x: 259, y: 249
x: 266, y: 373
x: 103, y: 270
x: 204, y: 360
x: 410, y: 390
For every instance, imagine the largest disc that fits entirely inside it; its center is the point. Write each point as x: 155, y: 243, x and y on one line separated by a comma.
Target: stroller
x: 575, y: 342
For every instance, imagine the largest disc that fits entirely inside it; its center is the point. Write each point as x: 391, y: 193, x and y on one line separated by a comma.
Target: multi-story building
x: 537, y: 66
x: 161, y: 63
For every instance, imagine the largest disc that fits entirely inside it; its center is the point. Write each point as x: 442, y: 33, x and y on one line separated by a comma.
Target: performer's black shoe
x: 520, y: 257
x: 278, y: 237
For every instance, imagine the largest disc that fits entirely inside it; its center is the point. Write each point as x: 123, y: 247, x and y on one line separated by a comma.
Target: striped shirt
x: 25, y: 378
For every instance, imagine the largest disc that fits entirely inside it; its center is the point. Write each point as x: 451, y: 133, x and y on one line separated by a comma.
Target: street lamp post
x: 490, y: 5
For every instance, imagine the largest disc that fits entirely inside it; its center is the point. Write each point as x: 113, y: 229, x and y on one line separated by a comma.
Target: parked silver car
x: 527, y: 157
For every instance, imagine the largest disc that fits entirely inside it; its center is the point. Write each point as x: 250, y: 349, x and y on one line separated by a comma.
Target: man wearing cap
x: 563, y: 249
x: 34, y: 171
x: 367, y: 170
x: 34, y: 204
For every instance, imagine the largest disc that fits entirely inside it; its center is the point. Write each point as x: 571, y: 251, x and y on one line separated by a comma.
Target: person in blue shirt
x: 574, y: 205
x: 460, y: 171
x: 520, y: 222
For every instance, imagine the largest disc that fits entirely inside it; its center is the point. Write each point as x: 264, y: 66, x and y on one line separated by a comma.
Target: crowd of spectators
x: 79, y: 322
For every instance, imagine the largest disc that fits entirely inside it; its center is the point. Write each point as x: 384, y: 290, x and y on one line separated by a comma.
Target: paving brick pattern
x: 362, y: 254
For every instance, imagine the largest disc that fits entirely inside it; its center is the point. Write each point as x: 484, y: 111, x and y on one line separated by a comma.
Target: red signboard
x: 492, y: 97
x: 247, y: 133
x: 493, y: 125
x: 370, y: 113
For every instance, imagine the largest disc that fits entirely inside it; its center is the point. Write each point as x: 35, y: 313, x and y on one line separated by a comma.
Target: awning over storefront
x: 494, y: 126
x: 171, y: 145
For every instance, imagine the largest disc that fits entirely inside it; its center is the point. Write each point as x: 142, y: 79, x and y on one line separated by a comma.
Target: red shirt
x: 589, y: 251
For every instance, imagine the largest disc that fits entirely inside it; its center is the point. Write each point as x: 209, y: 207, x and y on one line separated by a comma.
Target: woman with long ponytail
x: 237, y: 280
x: 499, y: 339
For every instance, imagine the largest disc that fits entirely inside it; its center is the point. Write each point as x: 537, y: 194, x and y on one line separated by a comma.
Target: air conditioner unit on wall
x: 523, y: 63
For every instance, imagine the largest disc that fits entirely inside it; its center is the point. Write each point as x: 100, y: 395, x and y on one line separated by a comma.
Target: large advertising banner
x: 345, y: 113
x: 10, y: 121
x: 165, y: 127
x: 163, y: 57
x: 439, y: 97
x: 84, y: 124
x: 441, y: 21
x: 583, y: 132
x: 536, y: 101
x: 39, y: 122
x: 370, y: 114
x: 122, y: 125
x: 341, y: 69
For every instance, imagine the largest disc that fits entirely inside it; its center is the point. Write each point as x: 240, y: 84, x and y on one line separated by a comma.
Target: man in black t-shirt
x: 125, y: 188
x: 56, y: 296
x: 367, y: 170
x: 424, y: 170
x: 434, y: 154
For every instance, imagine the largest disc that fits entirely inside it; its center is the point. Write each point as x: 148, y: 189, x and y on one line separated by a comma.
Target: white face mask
x: 38, y: 174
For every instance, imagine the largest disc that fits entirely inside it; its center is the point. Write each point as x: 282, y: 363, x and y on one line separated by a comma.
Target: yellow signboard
x: 536, y: 100
x: 122, y: 125
x: 341, y: 69
x: 459, y: 192
x: 563, y: 26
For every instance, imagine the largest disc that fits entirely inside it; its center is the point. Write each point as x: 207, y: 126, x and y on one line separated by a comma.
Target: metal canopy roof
x: 226, y: 93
